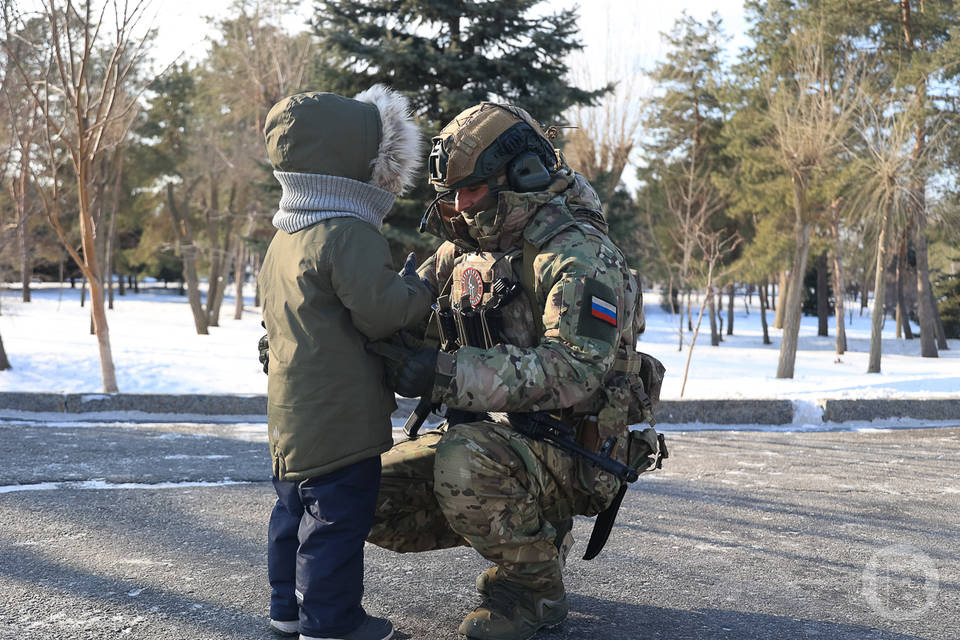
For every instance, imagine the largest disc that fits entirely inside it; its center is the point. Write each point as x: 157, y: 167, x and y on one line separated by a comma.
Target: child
x: 328, y: 288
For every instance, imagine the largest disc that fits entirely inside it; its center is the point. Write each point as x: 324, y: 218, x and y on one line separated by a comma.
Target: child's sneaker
x: 370, y: 629
x: 285, y: 627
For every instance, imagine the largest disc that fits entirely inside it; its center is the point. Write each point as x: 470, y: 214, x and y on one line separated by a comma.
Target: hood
x: 369, y: 138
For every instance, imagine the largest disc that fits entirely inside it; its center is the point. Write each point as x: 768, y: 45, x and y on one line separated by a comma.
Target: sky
x: 621, y: 37
x: 631, y: 27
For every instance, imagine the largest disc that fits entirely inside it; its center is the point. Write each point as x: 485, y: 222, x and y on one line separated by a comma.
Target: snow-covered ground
x: 156, y: 350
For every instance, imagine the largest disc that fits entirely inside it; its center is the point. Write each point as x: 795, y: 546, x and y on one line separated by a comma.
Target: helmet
x: 487, y: 139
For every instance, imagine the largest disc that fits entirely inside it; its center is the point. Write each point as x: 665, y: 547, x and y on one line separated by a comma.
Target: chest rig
x: 483, y: 303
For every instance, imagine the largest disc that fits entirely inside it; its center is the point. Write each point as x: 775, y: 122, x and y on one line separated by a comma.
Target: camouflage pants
x: 485, y: 485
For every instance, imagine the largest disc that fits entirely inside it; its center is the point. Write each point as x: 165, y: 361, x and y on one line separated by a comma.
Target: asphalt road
x: 742, y: 535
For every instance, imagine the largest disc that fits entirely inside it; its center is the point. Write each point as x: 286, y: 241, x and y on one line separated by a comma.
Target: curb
x: 203, y: 407
x: 773, y: 412
x: 142, y: 403
x: 925, y: 409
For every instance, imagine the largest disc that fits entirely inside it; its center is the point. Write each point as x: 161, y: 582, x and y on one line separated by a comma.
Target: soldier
x: 538, y: 312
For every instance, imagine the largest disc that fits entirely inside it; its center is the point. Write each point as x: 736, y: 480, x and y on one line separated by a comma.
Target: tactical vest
x: 489, y: 299
x: 485, y: 304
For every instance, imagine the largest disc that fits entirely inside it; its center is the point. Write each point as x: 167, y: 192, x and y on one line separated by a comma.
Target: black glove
x: 264, y: 347
x: 414, y: 377
x: 410, y: 266
x: 410, y: 269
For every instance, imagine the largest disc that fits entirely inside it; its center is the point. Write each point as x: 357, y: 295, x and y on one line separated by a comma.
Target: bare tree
x: 926, y: 309
x: 604, y: 137
x: 86, y: 104
x: 811, y: 109
x: 839, y: 282
x: 714, y: 246
x: 888, y: 165
x: 23, y: 127
x: 254, y: 62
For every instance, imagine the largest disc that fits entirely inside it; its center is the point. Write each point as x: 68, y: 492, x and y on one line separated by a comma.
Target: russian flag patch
x: 603, y: 310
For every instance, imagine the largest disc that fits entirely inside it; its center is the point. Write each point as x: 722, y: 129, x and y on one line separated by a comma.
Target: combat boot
x: 487, y: 579
x: 510, y: 611
x: 562, y: 541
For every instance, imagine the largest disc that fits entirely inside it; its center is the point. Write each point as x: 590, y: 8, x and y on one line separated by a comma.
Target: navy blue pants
x: 315, y: 549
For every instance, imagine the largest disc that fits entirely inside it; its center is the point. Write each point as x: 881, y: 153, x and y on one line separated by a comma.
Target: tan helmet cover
x: 471, y: 133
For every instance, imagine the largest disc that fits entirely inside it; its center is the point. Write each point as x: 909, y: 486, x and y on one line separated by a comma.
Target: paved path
x: 745, y: 535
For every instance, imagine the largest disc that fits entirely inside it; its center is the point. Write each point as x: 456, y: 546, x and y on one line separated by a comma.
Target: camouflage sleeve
x: 437, y: 268
x: 579, y: 287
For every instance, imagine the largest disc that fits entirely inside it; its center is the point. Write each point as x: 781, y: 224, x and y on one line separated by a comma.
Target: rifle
x: 543, y: 426
x: 540, y: 425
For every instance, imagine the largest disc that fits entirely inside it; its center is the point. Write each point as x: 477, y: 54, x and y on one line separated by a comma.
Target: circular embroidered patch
x: 471, y: 284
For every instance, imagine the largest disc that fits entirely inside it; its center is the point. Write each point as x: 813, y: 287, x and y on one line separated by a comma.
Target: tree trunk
x: 220, y: 231
x: 880, y: 289
x: 781, y: 300
x: 771, y: 295
x: 689, y: 311
x: 839, y: 282
x: 938, y: 323
x: 4, y: 361
x: 696, y: 332
x: 839, y: 287
x: 730, y: 296
x: 109, y: 265
x: 188, y: 253
x: 121, y: 287
x: 23, y: 231
x: 60, y: 288
x: 239, y: 273
x: 719, y: 298
x: 712, y: 309
x: 902, y: 315
x: 763, y: 313
x: 925, y: 307
x: 794, y: 299
x: 865, y: 291
x: 679, y: 318
x: 26, y: 261
x: 112, y: 228
x: 83, y: 291
x: 88, y: 242
x: 823, y: 302
x: 215, y: 296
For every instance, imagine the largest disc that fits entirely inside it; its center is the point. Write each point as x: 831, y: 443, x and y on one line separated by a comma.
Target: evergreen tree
x: 446, y: 56
x: 684, y: 150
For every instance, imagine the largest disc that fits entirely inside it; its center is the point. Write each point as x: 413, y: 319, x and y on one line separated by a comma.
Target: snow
x: 101, y: 484
x: 155, y: 346
x: 156, y: 350
x: 743, y: 367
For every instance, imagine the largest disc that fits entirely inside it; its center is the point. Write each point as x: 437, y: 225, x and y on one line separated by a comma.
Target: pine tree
x: 447, y: 56
x: 684, y: 150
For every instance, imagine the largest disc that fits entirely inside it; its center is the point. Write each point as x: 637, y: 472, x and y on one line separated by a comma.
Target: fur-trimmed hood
x: 399, y: 153
x: 370, y: 138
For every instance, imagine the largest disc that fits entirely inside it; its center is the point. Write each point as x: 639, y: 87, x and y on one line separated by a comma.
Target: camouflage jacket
x: 563, y: 339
